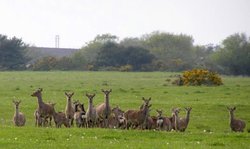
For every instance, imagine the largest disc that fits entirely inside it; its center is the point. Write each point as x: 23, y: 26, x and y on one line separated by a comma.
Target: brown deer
x: 69, y: 109
x: 137, y: 117
x: 163, y: 123
x: 104, y: 110
x: 183, y: 123
x: 44, y: 110
x: 91, y: 115
x: 19, y: 117
x: 175, y: 120
x: 236, y: 125
x: 60, y: 118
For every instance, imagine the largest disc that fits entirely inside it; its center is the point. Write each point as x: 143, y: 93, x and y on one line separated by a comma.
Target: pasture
x: 209, y: 119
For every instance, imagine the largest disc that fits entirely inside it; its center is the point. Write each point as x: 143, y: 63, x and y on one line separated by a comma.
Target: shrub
x: 199, y: 77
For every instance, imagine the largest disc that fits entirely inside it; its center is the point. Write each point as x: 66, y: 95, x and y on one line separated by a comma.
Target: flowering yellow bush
x: 200, y: 77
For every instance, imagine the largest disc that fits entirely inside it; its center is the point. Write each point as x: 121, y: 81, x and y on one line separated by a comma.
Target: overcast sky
x: 79, y: 21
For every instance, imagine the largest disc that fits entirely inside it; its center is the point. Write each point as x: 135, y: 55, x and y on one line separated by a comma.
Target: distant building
x: 36, y: 53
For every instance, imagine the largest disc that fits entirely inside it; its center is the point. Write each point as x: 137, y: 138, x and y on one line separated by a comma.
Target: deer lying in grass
x: 19, y: 117
x: 104, y: 110
x: 69, y: 109
x: 163, y: 123
x: 137, y: 117
x: 91, y: 115
x: 44, y: 110
x: 60, y: 118
x: 236, y: 125
x: 80, y: 115
x: 183, y: 122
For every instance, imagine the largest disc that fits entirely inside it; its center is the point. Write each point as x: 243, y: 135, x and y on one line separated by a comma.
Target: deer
x: 104, y: 109
x: 80, y: 115
x: 183, y: 122
x: 69, y: 109
x: 117, y: 120
x: 91, y: 115
x: 38, y: 119
x: 163, y: 123
x: 44, y: 110
x: 175, y: 120
x: 236, y: 125
x: 19, y: 117
x: 138, y: 117
x: 60, y: 118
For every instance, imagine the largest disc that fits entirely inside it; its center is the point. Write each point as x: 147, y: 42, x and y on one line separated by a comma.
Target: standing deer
x: 137, y: 117
x: 80, y: 115
x: 19, y: 117
x: 69, y: 109
x: 60, y: 118
x: 175, y: 120
x: 163, y: 123
x: 44, y: 110
x: 91, y: 115
x: 236, y: 125
x: 183, y: 123
x: 104, y: 110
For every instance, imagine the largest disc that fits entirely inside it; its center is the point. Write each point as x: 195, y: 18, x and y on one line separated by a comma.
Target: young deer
x: 19, y: 117
x: 91, y: 115
x: 163, y: 123
x: 60, y: 118
x: 104, y: 110
x: 236, y: 125
x: 44, y: 110
x: 183, y: 123
x: 69, y: 109
x: 137, y: 117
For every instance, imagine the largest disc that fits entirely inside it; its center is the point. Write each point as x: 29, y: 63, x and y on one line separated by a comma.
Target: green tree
x: 172, y: 52
x: 12, y: 53
x: 234, y: 55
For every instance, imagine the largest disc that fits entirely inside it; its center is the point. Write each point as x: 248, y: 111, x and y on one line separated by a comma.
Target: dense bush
x: 199, y: 77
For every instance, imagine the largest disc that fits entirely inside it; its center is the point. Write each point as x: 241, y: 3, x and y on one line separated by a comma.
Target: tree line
x: 157, y: 51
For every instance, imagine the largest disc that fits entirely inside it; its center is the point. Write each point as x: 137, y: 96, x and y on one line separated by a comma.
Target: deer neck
x: 40, y: 100
x: 176, y: 121
x: 231, y: 116
x: 17, y: 112
x: 187, y: 116
x: 69, y: 103
x: 107, y: 104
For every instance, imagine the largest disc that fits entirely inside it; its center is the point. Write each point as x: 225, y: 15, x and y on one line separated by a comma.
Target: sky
x: 77, y: 22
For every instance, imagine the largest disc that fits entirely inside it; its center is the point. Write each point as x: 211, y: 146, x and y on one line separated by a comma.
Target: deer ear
x: 72, y: 94
x: 102, y: 90
x: 143, y: 98
x: 149, y: 99
x: 40, y: 89
x: 234, y: 108
x: 93, y: 95
x: 110, y: 90
x: 66, y: 93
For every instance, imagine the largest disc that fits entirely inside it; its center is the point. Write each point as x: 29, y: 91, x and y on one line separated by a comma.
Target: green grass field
x: 208, y: 127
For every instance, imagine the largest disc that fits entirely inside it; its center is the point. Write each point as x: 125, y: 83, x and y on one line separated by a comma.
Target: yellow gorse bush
x: 200, y: 77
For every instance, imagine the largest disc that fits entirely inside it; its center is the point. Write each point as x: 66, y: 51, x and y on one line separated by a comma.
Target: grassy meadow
x: 208, y: 126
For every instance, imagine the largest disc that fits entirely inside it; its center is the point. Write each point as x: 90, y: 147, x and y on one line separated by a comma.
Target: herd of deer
x: 106, y: 117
